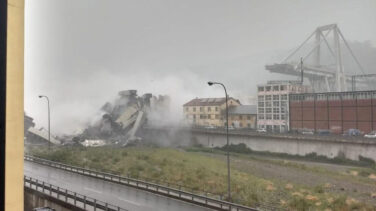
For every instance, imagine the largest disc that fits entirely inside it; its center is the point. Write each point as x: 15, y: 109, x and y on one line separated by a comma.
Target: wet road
x: 115, y: 194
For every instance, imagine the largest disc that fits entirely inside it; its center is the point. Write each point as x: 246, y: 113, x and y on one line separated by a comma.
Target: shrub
x: 124, y: 153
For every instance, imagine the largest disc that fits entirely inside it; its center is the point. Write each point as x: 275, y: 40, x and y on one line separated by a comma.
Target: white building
x: 273, y: 104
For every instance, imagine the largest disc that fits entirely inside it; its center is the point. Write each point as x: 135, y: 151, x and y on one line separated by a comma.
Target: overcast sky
x: 82, y: 52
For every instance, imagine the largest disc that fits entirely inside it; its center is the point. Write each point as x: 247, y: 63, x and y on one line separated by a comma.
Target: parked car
x: 231, y: 127
x: 353, y: 132
x: 210, y: 127
x: 370, y: 135
x: 307, y: 132
x: 261, y: 130
x: 323, y: 132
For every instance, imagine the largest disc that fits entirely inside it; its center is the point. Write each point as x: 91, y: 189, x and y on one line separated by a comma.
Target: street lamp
x: 210, y: 83
x: 49, y: 133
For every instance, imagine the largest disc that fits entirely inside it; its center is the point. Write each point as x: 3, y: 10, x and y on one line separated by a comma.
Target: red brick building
x: 334, y: 111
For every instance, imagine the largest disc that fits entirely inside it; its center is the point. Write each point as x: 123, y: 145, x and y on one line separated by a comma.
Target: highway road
x: 115, y: 194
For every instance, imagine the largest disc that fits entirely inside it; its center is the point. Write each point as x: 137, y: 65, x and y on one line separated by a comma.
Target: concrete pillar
x: 14, y: 106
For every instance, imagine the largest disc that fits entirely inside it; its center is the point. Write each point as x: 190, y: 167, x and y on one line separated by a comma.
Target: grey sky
x: 82, y: 52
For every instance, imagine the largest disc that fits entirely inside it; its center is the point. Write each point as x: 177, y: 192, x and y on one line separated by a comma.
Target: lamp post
x: 49, y: 133
x: 210, y: 83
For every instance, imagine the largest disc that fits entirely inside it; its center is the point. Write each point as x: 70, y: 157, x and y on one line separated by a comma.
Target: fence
x: 66, y: 196
x: 146, y: 186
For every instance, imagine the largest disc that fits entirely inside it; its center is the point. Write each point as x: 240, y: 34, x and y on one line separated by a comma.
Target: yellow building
x: 243, y: 116
x: 207, y: 111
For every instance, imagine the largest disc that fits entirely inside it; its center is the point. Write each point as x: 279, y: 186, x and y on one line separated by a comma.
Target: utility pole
x: 49, y: 128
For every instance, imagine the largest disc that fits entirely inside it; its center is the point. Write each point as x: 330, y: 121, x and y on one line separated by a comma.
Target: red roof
x: 208, y: 101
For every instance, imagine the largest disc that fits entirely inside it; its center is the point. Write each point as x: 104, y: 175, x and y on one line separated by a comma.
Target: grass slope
x: 195, y: 172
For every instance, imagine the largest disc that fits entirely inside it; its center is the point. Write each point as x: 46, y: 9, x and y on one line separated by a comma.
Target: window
x: 283, y: 97
x: 261, y: 104
x: 216, y: 108
x: 321, y: 97
x: 335, y: 96
x: 268, y: 97
x: 201, y: 108
x: 261, y: 110
x: 209, y: 116
x: 261, y: 116
x: 261, y: 98
x: 363, y: 95
x: 275, y: 116
x: 268, y: 104
x: 283, y: 109
x: 348, y: 96
x: 217, y: 116
x: 268, y: 110
x: 275, y: 88
x: 260, y: 88
x: 283, y: 117
x: 283, y: 87
x: 194, y: 108
x: 268, y: 88
x: 209, y: 108
x: 249, y: 117
x: 275, y: 97
x: 283, y: 104
x: 240, y: 117
x: 268, y: 116
x: 275, y: 110
x: 311, y: 97
x: 275, y: 104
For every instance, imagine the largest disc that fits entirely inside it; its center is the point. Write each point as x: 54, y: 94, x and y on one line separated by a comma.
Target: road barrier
x: 79, y: 201
x: 146, y: 186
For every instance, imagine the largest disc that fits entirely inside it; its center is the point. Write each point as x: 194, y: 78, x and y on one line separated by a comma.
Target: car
x: 307, y: 132
x: 231, y: 128
x: 210, y: 127
x: 353, y: 132
x: 370, y: 135
x: 261, y: 130
x: 323, y: 132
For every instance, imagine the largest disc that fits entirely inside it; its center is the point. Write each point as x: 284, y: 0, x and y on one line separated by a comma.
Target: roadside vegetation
x: 204, y: 171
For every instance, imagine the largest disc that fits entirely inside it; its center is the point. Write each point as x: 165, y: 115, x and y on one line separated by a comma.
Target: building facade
x: 273, y: 104
x: 333, y: 111
x: 243, y: 116
x: 207, y: 111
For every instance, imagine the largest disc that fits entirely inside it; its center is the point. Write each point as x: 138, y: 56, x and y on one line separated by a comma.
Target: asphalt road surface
x: 115, y: 194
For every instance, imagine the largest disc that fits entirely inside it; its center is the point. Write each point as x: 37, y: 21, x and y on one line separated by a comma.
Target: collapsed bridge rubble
x: 122, y: 119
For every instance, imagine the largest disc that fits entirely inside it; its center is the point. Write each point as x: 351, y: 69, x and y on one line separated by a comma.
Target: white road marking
x: 93, y: 190
x: 131, y: 202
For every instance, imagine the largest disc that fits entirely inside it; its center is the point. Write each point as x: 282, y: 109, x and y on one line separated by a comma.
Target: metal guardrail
x: 146, y: 186
x: 70, y: 197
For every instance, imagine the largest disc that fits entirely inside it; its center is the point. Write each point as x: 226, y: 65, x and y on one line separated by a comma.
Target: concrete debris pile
x: 123, y: 118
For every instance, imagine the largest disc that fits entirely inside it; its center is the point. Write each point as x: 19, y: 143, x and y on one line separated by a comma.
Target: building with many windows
x: 207, y: 111
x: 273, y: 104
